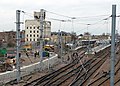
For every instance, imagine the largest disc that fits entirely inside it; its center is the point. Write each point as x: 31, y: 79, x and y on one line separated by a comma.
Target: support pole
x: 18, y: 40
x: 49, y: 61
x: 60, y: 44
x: 112, y: 59
x: 88, y: 46
x: 41, y: 35
x: 61, y: 41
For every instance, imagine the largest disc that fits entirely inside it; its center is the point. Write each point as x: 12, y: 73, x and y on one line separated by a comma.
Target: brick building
x: 8, y: 38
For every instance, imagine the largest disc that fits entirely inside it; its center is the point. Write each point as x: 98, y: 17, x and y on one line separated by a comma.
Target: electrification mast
x: 18, y: 44
x: 41, y: 35
x: 112, y: 59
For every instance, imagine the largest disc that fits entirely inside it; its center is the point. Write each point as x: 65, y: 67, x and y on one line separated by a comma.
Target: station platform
x: 98, y: 49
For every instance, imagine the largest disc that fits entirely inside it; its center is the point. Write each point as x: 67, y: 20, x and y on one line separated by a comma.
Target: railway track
x: 83, y: 79
x: 104, y: 79
x: 73, y: 74
x: 61, y: 71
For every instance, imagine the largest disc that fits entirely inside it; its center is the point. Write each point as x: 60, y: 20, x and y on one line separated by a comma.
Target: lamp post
x: 73, y: 41
x: 88, y: 40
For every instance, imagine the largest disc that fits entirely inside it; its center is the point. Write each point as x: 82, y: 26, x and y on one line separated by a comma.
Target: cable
x: 100, y: 20
x: 59, y: 14
x: 23, y: 20
x: 59, y: 20
x: 72, y: 18
x: 91, y: 25
x: 28, y: 14
x: 90, y: 16
x: 118, y: 24
x: 75, y: 17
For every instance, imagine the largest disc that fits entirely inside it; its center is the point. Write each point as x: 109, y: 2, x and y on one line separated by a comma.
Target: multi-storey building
x: 32, y: 29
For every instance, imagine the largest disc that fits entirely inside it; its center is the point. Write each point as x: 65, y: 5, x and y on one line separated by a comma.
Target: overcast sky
x: 88, y: 11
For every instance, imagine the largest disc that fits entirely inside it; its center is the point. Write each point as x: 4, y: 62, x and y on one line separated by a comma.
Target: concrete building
x: 32, y: 29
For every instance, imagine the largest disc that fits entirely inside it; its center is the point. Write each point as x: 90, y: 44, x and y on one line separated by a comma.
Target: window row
x: 32, y: 35
x: 33, y: 27
x: 34, y: 31
x: 32, y: 40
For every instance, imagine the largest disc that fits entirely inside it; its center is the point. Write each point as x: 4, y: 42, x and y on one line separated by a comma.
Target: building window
x: 38, y: 27
x: 34, y: 39
x: 34, y: 31
x: 30, y: 39
x: 30, y: 27
x: 30, y: 35
x: 37, y: 35
x: 37, y: 39
x: 37, y: 31
x: 27, y: 27
x: 27, y: 39
x: 34, y: 27
x: 27, y: 35
x: 30, y: 31
x: 34, y: 35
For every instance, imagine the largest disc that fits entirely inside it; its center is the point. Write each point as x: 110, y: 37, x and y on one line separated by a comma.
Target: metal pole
x: 41, y: 35
x: 48, y: 61
x: 18, y: 39
x: 59, y: 44
x: 73, y: 40
x: 49, y: 56
x: 88, y: 40
x: 61, y: 47
x: 113, y: 45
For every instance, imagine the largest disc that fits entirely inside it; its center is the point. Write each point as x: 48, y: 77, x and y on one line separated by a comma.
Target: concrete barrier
x: 26, y: 70
x: 99, y: 48
x: 78, y: 47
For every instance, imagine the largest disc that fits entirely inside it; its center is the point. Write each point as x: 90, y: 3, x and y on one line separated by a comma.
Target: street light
x: 73, y: 41
x: 88, y: 39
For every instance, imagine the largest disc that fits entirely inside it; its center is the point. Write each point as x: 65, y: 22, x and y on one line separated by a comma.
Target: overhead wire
x: 75, y: 17
x: 100, y: 25
x: 78, y: 22
x: 72, y: 18
x: 118, y: 24
x: 28, y: 14
x: 95, y: 24
x: 62, y: 20
x: 58, y: 14
x: 100, y: 21
x: 90, y: 24
x: 23, y: 20
x: 90, y: 16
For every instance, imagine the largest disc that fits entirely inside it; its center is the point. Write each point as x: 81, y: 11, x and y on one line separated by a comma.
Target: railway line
x: 84, y: 78
x: 47, y: 78
x: 77, y: 74
x: 104, y: 79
